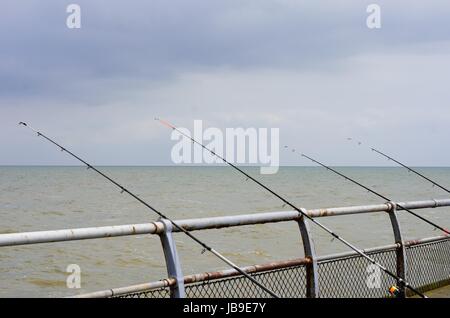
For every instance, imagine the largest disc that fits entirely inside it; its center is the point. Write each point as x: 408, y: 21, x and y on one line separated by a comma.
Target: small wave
x: 57, y: 213
x: 46, y: 282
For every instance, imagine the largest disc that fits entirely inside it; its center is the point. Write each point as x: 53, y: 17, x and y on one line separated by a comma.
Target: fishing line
x: 300, y: 211
x: 181, y: 229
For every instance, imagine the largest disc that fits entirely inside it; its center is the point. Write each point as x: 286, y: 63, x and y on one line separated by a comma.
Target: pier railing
x: 424, y: 263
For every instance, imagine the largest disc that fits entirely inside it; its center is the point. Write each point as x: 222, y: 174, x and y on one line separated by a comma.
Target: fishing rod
x: 374, y: 192
x: 411, y: 170
x: 299, y: 210
x: 406, y: 167
x: 178, y: 227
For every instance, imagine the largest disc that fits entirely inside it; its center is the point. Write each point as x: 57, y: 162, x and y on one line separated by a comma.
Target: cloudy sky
x: 311, y: 68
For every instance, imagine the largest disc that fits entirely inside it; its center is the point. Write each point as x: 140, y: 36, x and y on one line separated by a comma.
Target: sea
x: 39, y: 198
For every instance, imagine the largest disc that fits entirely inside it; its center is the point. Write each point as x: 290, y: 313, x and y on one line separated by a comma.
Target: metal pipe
x: 385, y: 207
x: 383, y: 248
x: 283, y: 216
x: 173, y: 263
x: 128, y: 289
x: 248, y: 269
x: 426, y: 240
x: 10, y: 239
x: 401, y: 258
x: 24, y: 238
x: 312, y: 269
x: 331, y: 257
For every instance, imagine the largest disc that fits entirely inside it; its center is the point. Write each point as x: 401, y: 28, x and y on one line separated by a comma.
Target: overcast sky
x: 311, y: 68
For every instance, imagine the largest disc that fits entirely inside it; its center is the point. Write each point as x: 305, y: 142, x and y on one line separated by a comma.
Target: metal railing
x: 424, y: 263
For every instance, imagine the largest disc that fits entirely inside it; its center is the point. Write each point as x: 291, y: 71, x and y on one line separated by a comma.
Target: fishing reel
x: 394, y: 291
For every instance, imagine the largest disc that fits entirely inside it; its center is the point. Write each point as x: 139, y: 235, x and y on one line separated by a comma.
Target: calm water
x: 41, y: 198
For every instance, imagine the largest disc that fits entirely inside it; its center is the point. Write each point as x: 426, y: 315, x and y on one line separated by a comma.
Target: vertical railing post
x: 400, y: 252
x: 172, y: 260
x: 312, y: 278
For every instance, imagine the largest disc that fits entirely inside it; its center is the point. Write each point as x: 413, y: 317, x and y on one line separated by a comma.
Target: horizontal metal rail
x: 24, y: 238
x: 383, y: 248
x: 194, y: 278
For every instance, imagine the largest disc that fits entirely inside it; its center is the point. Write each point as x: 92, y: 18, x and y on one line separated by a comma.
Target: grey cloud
x: 153, y: 41
x: 312, y: 68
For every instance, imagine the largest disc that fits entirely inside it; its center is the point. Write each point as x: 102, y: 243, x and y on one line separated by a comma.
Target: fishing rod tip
x: 165, y: 123
x: 22, y: 123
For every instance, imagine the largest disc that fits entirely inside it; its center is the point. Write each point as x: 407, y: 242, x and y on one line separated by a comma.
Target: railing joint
x: 173, y: 264
x: 401, y: 261
x: 312, y: 278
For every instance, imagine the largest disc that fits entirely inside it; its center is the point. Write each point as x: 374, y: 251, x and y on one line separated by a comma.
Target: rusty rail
x: 11, y: 239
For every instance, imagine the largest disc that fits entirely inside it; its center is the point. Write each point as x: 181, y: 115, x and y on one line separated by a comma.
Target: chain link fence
x: 154, y: 293
x: 429, y: 265
x: 349, y: 276
x: 355, y: 276
x: 288, y: 282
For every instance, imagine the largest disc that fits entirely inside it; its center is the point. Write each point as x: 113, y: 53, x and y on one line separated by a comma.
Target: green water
x: 43, y: 198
